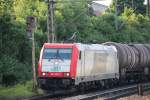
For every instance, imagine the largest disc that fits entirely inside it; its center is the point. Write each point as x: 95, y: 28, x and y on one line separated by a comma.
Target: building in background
x: 99, y: 7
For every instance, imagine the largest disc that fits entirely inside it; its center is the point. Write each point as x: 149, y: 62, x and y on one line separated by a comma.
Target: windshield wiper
x: 54, y: 57
x: 58, y: 56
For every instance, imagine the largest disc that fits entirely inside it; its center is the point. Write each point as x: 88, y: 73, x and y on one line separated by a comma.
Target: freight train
x: 84, y: 66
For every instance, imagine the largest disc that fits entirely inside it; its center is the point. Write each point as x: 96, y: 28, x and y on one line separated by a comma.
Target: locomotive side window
x: 57, y: 53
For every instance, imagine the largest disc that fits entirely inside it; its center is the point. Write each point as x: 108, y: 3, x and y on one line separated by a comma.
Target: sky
x: 145, y: 2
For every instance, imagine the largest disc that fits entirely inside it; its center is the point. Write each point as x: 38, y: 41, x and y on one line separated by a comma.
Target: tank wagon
x: 92, y: 65
x: 134, y: 60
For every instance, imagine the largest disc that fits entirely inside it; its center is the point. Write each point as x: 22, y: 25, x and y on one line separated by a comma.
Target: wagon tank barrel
x: 132, y: 56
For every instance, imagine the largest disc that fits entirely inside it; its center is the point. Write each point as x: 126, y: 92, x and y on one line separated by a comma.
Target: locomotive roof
x: 69, y: 45
x: 82, y: 47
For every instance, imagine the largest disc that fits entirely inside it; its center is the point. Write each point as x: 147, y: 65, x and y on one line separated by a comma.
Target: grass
x: 18, y: 91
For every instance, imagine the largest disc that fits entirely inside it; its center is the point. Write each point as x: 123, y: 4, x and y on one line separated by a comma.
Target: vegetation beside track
x: 18, y: 91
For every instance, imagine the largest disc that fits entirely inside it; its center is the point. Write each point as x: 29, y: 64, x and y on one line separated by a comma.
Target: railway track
x: 113, y: 93
x: 106, y: 94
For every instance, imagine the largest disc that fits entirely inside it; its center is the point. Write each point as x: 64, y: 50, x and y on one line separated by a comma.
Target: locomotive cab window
x: 57, y: 53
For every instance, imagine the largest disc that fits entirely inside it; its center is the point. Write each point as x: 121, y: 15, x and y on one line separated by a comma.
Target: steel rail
x: 105, y: 94
x: 112, y: 93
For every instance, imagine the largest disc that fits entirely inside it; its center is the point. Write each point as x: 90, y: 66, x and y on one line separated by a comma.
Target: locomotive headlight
x: 43, y: 74
x: 67, y: 74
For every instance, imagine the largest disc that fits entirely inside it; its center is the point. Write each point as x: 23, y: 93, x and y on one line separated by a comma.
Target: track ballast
x: 108, y: 94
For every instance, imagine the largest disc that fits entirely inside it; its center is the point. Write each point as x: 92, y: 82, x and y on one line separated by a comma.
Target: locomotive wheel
x: 81, y: 87
x: 111, y: 83
x: 107, y: 86
x: 87, y: 86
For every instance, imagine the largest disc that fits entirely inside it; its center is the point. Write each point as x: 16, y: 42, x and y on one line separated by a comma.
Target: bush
x: 12, y: 71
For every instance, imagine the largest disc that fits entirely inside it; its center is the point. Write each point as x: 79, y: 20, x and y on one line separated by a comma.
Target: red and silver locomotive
x: 66, y: 65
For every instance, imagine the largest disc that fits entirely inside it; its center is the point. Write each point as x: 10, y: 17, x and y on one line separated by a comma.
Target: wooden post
x: 33, y: 63
x: 50, y: 21
x: 31, y: 25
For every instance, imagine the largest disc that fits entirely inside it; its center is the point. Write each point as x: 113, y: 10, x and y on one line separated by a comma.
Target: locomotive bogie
x: 55, y: 83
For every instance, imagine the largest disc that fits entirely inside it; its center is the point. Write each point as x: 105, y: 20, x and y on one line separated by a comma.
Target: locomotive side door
x: 87, y: 62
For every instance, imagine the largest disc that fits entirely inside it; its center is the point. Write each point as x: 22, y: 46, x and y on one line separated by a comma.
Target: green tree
x: 138, y: 5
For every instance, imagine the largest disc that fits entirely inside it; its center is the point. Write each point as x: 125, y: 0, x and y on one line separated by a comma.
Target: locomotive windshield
x: 57, y: 53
